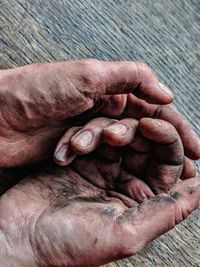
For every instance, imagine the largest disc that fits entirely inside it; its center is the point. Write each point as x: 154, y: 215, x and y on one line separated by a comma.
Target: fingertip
x: 167, y: 92
x: 135, y: 77
x: 111, y: 138
x: 115, y: 134
x: 149, y: 122
x: 157, y: 130
x: 192, y: 146
x: 149, y: 87
x: 121, y: 132
x: 83, y: 142
x: 189, y: 169
x: 63, y: 155
x: 189, y: 137
x: 83, y: 138
x: 65, y: 162
x: 117, y: 129
x: 158, y: 96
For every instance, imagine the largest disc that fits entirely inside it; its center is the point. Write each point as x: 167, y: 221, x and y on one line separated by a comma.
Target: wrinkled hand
x: 85, y: 215
x: 39, y: 102
x: 62, y: 219
x: 149, y: 154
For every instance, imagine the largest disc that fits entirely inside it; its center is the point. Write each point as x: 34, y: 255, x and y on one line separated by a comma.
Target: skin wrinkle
x: 86, y: 178
x: 157, y: 112
x: 87, y: 199
x: 97, y: 198
x: 161, y: 167
x: 170, y: 162
x: 142, y: 93
x: 115, y: 106
x: 46, y: 94
x: 67, y: 196
x: 137, y: 92
x: 122, y: 221
x: 37, y: 244
x: 87, y: 219
x: 47, y: 103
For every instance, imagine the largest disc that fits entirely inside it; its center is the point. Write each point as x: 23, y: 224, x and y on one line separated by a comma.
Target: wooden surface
x: 166, y: 34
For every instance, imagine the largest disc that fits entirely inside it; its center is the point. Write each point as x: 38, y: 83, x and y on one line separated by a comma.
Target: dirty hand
x: 40, y: 101
x: 148, y: 153
x: 86, y: 214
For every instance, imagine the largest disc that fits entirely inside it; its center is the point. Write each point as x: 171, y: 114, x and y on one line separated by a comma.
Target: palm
x: 64, y: 219
x: 70, y: 216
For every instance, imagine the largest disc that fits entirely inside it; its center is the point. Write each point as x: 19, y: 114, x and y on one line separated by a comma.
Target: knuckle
x: 91, y: 75
x: 89, y: 67
x: 144, y: 66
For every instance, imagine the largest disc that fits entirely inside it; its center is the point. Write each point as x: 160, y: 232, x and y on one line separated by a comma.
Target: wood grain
x: 166, y: 34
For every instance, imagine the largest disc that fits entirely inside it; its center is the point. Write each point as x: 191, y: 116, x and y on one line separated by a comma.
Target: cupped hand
x: 76, y: 216
x: 39, y: 102
x: 149, y: 154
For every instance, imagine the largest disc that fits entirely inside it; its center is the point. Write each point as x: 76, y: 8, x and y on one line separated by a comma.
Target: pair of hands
x: 88, y: 213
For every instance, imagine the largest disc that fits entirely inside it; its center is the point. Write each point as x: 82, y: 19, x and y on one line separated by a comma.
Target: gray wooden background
x: 166, y: 34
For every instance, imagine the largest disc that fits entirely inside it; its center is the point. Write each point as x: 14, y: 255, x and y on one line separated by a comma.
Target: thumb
x: 163, y: 212
x: 132, y: 77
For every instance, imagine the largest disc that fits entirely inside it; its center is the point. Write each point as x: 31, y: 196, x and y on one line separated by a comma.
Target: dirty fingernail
x: 166, y: 90
x: 119, y: 129
x: 61, y: 153
x: 83, y: 139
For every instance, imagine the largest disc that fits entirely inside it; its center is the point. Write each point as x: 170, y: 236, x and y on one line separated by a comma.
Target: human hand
x: 39, y: 102
x: 150, y: 153
x: 79, y: 216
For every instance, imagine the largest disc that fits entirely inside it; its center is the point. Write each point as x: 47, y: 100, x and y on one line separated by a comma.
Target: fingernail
x: 117, y: 128
x: 83, y: 139
x: 61, y: 153
x: 166, y: 90
x: 157, y: 122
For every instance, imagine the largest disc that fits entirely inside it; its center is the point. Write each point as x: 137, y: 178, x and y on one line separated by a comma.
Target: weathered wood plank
x: 166, y: 34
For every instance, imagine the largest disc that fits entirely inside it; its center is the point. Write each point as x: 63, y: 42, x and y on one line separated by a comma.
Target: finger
x: 134, y: 187
x: 89, y: 137
x: 136, y: 155
x: 189, y: 169
x: 137, y: 108
x: 166, y: 165
x: 190, y: 139
x: 162, y: 212
x: 63, y: 154
x: 168, y: 146
x: 115, y: 106
x: 134, y: 77
x: 120, y: 133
